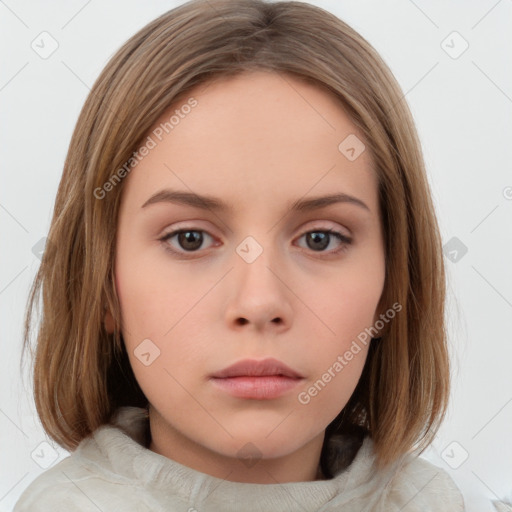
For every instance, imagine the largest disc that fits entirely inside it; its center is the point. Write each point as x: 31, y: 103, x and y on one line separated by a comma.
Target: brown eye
x: 188, y: 240
x: 319, y: 240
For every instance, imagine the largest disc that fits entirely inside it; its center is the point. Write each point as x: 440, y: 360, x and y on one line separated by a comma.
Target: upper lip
x: 254, y: 368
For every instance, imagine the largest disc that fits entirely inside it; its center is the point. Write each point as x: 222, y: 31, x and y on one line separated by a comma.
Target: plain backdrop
x: 453, y: 62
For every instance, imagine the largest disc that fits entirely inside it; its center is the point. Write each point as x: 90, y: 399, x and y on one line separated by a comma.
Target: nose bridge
x: 254, y: 257
x: 260, y: 295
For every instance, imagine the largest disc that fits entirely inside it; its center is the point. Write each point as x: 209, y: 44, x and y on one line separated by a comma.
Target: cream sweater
x: 113, y: 470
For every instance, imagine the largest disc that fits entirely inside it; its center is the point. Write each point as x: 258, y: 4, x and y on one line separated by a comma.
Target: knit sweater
x: 113, y: 469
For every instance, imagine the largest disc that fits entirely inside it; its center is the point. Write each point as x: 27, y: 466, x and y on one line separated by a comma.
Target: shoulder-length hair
x: 82, y: 373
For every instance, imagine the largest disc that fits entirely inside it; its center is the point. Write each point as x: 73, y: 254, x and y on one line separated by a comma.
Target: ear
x: 109, y: 322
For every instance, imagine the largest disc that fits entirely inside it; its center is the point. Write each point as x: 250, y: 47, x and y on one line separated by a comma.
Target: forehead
x: 253, y: 136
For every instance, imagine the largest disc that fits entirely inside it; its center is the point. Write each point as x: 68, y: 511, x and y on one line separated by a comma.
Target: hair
x: 82, y: 373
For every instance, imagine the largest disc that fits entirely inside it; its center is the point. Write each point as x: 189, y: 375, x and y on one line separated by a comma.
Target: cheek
x: 325, y: 395
x: 159, y: 319
x: 153, y: 295
x: 346, y: 309
x: 346, y: 306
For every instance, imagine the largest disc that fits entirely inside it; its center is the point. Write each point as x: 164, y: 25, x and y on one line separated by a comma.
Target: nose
x: 261, y: 297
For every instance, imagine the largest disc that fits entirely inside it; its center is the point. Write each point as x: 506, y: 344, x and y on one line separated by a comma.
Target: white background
x: 463, y: 110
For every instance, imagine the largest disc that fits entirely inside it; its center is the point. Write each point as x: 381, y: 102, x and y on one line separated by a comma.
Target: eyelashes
x: 189, y: 238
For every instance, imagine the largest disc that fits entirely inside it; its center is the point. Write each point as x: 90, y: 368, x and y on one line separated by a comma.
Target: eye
x: 319, y: 239
x: 188, y: 239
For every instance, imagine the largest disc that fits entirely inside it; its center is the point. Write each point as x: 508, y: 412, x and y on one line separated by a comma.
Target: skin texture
x: 258, y: 141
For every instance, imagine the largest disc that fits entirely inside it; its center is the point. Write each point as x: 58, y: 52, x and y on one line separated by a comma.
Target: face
x: 245, y: 274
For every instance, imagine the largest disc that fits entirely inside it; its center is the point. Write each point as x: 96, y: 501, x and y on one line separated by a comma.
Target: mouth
x: 257, y: 380
x: 253, y: 368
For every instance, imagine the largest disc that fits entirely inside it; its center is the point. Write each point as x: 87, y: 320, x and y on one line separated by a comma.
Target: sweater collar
x: 122, y: 446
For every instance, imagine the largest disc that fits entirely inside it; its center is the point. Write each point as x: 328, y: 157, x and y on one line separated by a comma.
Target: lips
x: 254, y: 368
x: 257, y: 380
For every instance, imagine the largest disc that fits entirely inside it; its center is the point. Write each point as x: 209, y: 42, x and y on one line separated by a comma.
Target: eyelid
x: 187, y: 226
x: 336, y: 227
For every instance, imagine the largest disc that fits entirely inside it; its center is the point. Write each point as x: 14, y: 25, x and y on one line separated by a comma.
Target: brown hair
x: 81, y: 373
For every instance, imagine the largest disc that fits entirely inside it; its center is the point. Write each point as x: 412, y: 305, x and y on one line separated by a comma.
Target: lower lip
x: 256, y: 388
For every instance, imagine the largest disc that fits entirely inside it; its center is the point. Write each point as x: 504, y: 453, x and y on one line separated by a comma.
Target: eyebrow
x: 206, y: 202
